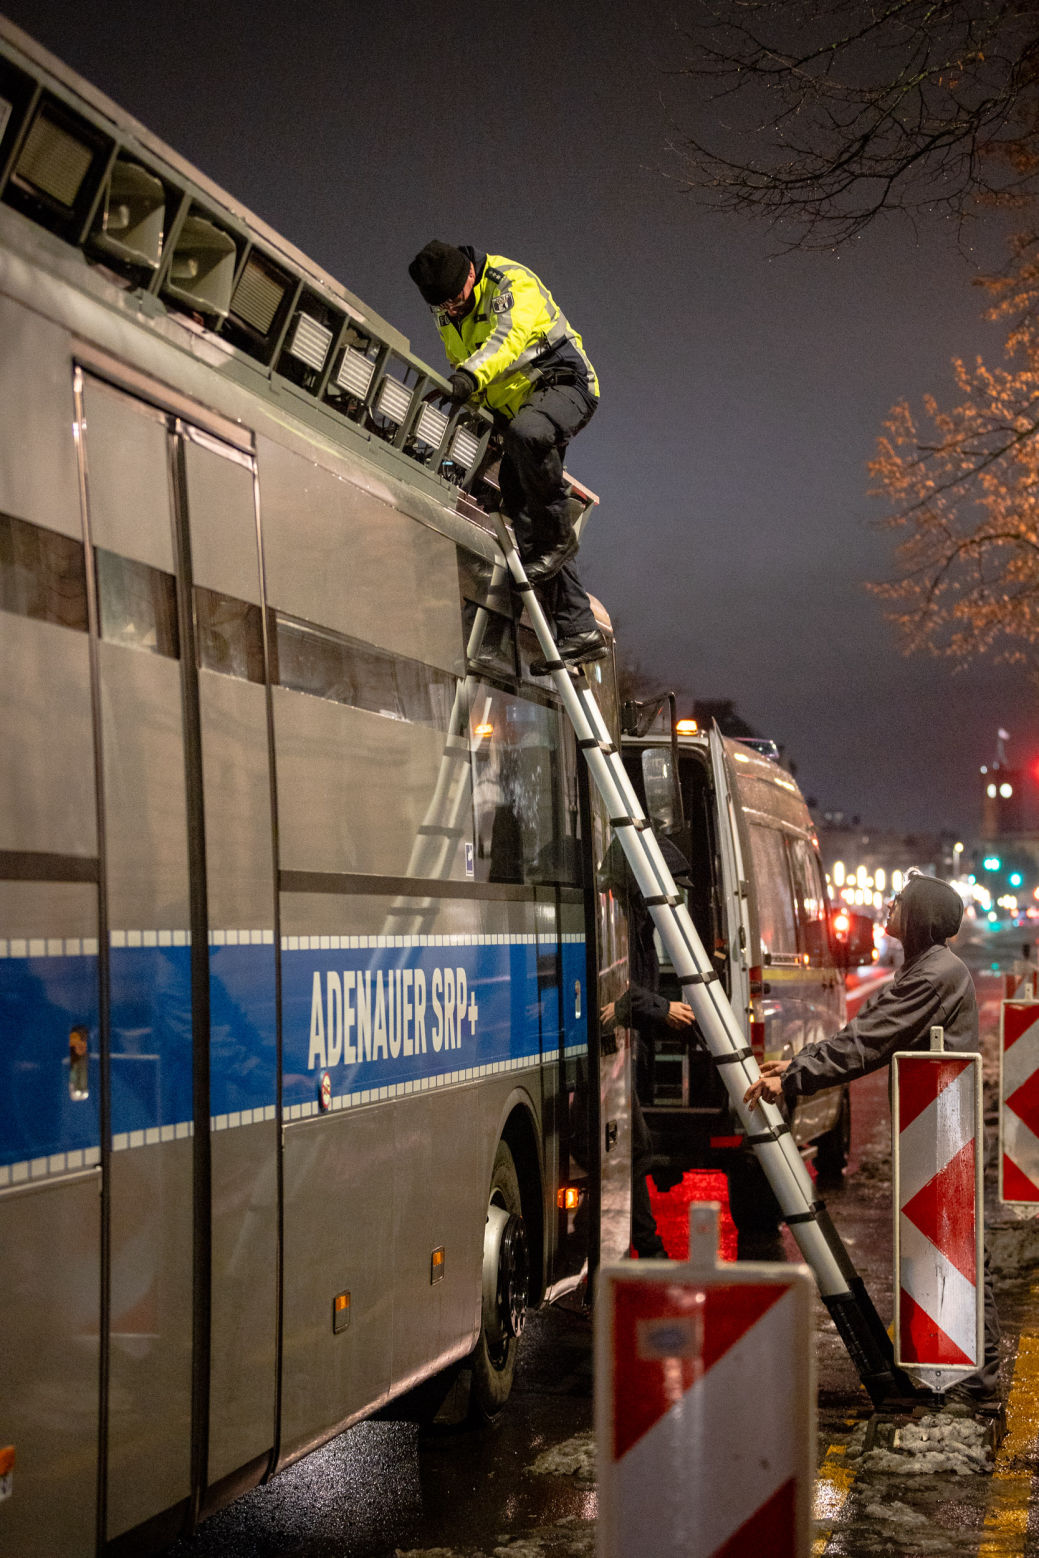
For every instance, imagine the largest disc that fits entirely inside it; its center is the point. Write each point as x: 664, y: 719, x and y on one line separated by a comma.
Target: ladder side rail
x: 842, y: 1290
x: 696, y: 974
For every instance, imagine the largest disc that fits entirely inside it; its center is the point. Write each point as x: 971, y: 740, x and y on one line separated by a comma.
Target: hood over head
x: 616, y: 876
x: 931, y: 911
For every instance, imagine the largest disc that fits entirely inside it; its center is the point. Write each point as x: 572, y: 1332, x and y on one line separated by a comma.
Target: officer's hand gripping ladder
x: 840, y: 1287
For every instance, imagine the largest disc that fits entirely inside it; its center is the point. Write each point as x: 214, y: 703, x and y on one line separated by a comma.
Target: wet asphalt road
x: 526, y: 1488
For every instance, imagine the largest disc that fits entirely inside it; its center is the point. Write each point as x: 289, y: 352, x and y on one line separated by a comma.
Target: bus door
x: 188, y: 956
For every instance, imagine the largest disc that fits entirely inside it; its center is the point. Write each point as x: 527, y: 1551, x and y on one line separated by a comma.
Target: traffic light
x: 992, y: 863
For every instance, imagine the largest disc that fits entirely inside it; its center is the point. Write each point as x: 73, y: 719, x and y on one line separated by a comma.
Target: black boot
x: 576, y: 650
x: 540, y: 569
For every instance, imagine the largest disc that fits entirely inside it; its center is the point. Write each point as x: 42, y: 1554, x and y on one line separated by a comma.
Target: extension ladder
x: 841, y: 1289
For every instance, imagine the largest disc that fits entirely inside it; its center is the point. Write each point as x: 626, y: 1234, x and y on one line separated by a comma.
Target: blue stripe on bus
x: 150, y: 1037
x: 386, y: 1016
x: 243, y: 1027
x: 459, y: 1008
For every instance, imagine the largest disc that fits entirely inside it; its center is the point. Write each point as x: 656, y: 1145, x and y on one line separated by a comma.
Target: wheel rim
x: 505, y: 1275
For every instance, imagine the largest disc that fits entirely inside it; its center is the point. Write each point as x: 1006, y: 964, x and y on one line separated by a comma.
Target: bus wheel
x: 831, y: 1157
x: 506, y: 1279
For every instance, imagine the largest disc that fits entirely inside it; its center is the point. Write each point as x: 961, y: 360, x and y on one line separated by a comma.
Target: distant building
x: 866, y: 865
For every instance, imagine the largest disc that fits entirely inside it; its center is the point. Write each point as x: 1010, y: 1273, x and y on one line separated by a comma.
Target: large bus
x: 301, y: 934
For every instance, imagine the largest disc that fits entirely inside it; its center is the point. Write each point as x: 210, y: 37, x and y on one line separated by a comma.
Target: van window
x: 660, y: 788
x: 774, y: 895
x: 812, y: 933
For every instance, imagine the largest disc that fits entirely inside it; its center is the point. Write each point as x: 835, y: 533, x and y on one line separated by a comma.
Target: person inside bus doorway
x: 648, y: 1014
x: 932, y: 988
x: 512, y: 351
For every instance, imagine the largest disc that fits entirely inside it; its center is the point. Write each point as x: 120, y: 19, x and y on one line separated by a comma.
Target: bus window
x: 137, y: 605
x: 517, y: 789
x: 42, y: 574
x: 325, y: 664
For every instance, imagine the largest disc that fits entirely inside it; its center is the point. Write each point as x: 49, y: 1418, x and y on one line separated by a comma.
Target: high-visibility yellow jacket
x: 514, y: 337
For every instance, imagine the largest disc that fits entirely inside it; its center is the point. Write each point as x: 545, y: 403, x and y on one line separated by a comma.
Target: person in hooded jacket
x: 511, y: 349
x: 932, y: 988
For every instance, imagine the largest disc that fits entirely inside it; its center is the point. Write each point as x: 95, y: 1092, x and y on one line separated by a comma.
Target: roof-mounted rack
x: 73, y: 163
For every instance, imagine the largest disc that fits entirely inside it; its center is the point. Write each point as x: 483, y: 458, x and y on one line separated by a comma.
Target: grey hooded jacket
x: 933, y: 986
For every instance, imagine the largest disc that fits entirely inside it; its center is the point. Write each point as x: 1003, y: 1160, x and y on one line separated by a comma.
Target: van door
x: 735, y: 891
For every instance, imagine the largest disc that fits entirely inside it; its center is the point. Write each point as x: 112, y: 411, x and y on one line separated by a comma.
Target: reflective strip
x: 32, y: 1170
x: 50, y: 947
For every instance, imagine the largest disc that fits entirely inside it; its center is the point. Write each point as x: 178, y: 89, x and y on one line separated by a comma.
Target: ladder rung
x: 590, y: 742
x: 438, y: 830
x: 806, y: 1217
x: 698, y: 979
x: 670, y: 898
x: 773, y: 1133
x: 731, y: 1060
x: 639, y: 823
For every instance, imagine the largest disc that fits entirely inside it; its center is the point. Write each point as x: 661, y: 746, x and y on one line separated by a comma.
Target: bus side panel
x: 339, y: 1185
x: 435, y: 1308
x: 50, y: 1226
x: 354, y: 787
x: 242, y: 988
x: 47, y: 747
x: 243, y: 1071
x: 35, y: 413
x: 49, y: 1215
x: 336, y: 555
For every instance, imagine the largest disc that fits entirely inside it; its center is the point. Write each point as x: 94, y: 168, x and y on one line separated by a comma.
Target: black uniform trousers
x: 534, y: 493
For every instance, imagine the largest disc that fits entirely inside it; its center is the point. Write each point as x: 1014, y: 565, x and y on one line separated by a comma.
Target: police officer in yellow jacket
x: 511, y: 348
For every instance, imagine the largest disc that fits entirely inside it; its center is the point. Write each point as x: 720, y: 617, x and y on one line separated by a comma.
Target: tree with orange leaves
x: 964, y: 489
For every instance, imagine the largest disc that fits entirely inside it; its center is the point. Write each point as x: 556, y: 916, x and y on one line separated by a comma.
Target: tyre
x: 506, y: 1285
x: 831, y: 1157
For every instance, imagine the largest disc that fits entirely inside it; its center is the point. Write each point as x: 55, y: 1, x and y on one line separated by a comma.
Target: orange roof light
x: 686, y: 727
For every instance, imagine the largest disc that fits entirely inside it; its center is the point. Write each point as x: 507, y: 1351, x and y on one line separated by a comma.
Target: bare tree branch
x: 820, y: 117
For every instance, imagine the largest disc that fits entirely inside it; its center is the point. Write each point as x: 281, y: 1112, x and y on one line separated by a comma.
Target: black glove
x: 463, y: 385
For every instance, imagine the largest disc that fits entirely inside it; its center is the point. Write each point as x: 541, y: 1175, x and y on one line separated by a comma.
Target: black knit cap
x: 440, y: 271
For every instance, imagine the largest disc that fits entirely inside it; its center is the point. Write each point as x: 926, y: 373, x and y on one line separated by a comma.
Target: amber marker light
x: 686, y: 727
x: 436, y: 1265
x: 484, y: 730
x: 568, y: 1198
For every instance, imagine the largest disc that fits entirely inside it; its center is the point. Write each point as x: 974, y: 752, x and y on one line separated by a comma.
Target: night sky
x: 742, y: 392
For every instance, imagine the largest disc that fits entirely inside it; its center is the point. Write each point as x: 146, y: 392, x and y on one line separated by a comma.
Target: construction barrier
x: 1021, y: 986
x: 1019, y: 1102
x: 705, y: 1405
x: 938, y: 1202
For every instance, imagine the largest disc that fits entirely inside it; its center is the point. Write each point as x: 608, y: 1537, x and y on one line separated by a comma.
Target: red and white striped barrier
x: 1019, y: 1102
x: 937, y: 1175
x: 1020, y: 987
x: 705, y: 1405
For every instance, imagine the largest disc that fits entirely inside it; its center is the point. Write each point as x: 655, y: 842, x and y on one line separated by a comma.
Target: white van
x: 759, y: 903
